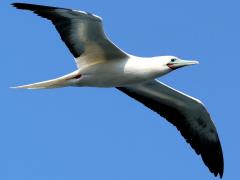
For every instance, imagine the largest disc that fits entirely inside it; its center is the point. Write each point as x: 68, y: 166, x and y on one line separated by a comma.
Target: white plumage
x: 100, y: 63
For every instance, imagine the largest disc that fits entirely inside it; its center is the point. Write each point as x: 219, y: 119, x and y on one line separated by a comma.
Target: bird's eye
x: 173, y: 60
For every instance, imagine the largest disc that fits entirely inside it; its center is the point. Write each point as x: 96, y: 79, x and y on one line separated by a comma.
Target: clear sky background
x: 101, y: 134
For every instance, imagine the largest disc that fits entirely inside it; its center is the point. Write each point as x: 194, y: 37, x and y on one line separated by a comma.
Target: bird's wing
x: 187, y: 114
x: 82, y: 33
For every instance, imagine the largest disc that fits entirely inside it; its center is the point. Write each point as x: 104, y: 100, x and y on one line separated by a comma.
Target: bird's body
x: 100, y: 63
x: 115, y: 73
x: 131, y: 70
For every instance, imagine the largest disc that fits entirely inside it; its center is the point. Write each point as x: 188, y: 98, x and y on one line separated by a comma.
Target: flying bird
x: 100, y: 63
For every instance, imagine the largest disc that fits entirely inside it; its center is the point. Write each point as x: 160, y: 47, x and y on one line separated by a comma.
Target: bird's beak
x: 181, y: 63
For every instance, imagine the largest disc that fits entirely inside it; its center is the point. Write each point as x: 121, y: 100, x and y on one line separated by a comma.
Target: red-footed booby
x: 100, y: 63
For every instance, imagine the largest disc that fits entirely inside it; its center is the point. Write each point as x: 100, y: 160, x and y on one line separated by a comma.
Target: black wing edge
x: 34, y: 7
x: 57, y: 19
x: 211, y: 152
x: 42, y: 10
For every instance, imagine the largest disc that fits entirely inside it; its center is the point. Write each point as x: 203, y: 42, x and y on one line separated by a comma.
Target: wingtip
x: 221, y: 172
x: 218, y: 173
x: 221, y: 175
x: 20, y: 5
x: 32, y: 7
x: 26, y: 6
x: 218, y: 169
x: 17, y: 5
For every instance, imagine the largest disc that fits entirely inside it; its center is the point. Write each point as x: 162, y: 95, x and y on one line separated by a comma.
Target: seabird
x: 100, y: 63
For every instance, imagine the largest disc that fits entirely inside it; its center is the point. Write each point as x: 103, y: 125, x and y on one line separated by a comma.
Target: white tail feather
x: 53, y: 83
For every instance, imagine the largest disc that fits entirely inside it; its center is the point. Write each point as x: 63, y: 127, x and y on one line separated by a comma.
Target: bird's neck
x: 152, y: 68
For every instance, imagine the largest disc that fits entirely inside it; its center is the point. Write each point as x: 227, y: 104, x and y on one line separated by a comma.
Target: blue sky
x: 101, y: 134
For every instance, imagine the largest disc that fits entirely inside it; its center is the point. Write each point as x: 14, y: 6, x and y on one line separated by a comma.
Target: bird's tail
x: 62, y: 81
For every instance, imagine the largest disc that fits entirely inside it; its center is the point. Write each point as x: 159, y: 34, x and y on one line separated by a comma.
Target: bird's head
x: 173, y: 62
x: 161, y: 65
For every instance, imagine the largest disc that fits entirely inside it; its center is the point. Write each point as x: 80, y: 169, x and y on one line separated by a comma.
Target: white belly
x: 120, y: 73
